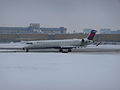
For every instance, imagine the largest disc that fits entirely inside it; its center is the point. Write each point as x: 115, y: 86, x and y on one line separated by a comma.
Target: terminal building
x: 105, y: 31
x: 60, y: 30
x: 33, y: 28
x: 15, y: 30
x: 35, y: 32
x: 109, y: 31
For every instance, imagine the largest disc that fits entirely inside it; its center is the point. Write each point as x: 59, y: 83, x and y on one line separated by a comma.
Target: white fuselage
x: 68, y: 43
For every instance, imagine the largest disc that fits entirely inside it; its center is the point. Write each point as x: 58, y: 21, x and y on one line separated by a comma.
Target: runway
x: 49, y: 69
x: 90, y: 48
x: 59, y: 71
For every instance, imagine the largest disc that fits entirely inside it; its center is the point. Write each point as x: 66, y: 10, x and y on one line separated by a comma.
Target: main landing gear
x: 65, y: 50
x: 26, y: 49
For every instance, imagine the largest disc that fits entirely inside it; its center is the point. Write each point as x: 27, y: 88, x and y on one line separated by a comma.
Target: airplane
x: 65, y: 45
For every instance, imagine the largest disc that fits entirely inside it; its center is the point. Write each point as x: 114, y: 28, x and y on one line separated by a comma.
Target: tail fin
x: 91, y: 35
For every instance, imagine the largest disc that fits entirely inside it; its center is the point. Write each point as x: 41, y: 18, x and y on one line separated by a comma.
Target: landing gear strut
x: 69, y: 50
x: 65, y: 50
x: 60, y: 50
x: 26, y: 49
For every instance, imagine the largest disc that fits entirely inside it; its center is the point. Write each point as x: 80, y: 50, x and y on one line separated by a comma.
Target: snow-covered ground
x: 90, y: 48
x: 12, y: 45
x: 59, y: 71
x: 106, y: 46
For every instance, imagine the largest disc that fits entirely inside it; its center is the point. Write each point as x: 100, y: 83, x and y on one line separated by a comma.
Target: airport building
x: 109, y: 31
x: 60, y: 30
x: 105, y: 31
x: 33, y: 28
x: 15, y: 30
x: 115, y: 32
x: 35, y: 32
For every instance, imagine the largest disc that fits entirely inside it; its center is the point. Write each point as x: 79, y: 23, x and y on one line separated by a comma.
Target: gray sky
x: 72, y: 14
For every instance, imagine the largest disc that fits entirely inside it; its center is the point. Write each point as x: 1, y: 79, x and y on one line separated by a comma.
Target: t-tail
x: 91, y: 35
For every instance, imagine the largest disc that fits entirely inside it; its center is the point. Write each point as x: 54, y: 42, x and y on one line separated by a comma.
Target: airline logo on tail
x: 92, y: 34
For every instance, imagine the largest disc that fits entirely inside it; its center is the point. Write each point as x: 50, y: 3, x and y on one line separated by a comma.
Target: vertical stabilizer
x: 91, y: 35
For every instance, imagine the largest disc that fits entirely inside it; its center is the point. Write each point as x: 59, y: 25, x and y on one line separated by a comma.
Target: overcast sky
x: 72, y: 14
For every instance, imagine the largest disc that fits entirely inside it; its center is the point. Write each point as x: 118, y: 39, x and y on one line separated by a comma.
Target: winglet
x: 91, y: 35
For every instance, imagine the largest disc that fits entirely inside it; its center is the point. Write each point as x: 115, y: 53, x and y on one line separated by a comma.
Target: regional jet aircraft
x: 65, y: 45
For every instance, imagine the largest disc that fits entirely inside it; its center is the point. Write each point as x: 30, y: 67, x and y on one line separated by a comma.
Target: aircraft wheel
x: 26, y: 50
x: 60, y: 50
x: 69, y: 50
x: 64, y: 51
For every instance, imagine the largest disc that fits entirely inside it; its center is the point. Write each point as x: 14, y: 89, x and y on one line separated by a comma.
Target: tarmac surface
x: 100, y: 49
x: 90, y: 68
x: 60, y: 71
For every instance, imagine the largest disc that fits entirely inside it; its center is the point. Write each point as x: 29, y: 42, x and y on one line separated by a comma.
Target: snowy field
x: 59, y: 71
x: 17, y: 47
